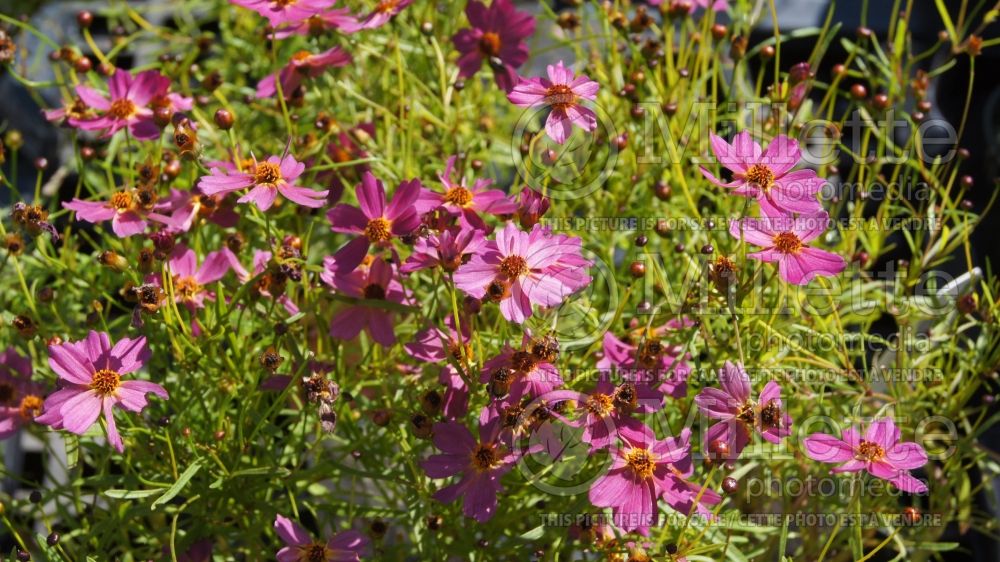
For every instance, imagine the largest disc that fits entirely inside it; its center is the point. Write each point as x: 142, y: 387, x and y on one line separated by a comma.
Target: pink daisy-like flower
x: 371, y: 286
x: 266, y: 179
x: 20, y: 398
x: 466, y: 202
x: 497, y: 37
x: 179, y: 210
x: 447, y: 250
x: 435, y: 345
x: 531, y: 206
x: 765, y: 175
x: 380, y: 15
x: 879, y: 452
x: 521, y: 268
x: 128, y: 106
x: 280, y: 12
x: 190, y: 279
x: 127, y: 210
x: 376, y: 222
x: 519, y: 373
x: 607, y: 411
x: 90, y: 371
x: 482, y: 464
x: 303, y: 65
x: 317, y: 24
x: 643, y: 470
x: 648, y: 360
x: 739, y: 415
x: 784, y: 240
x: 345, y: 546
x: 562, y: 91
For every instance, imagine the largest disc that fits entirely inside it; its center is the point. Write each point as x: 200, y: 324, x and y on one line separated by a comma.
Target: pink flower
x: 128, y: 106
x: 497, y: 36
x: 90, y: 371
x: 448, y: 250
x: 482, y: 464
x: 303, y: 65
x: 648, y: 361
x: 880, y: 453
x: 608, y: 411
x: 784, y: 239
x: 280, y: 12
x: 739, y: 415
x: 456, y: 393
x: 466, y: 202
x: 277, y: 279
x: 643, y: 470
x: 371, y: 286
x: 562, y: 91
x: 127, y: 210
x: 766, y: 176
x: 318, y: 24
x: 376, y: 222
x: 521, y: 268
x: 179, y: 210
x: 531, y: 206
x: 384, y: 11
x: 20, y: 398
x: 266, y: 179
x: 345, y: 546
x: 435, y: 345
x: 190, y: 279
x: 519, y: 373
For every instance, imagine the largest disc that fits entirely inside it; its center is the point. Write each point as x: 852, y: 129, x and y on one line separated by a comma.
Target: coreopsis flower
x: 607, y: 410
x: 644, y: 469
x: 339, y: 19
x: 90, y: 372
x: 740, y: 416
x: 376, y: 222
x: 20, y: 397
x: 345, y: 546
x: 765, y: 175
x: 190, y: 279
x: 524, y: 268
x: 272, y: 283
x: 370, y: 286
x: 128, y: 106
x: 179, y: 210
x: 531, y: 206
x: 784, y: 240
x: 645, y: 359
x: 497, y: 37
x: 383, y: 11
x: 482, y: 464
x: 302, y: 65
x: 447, y: 250
x: 279, y: 12
x: 72, y: 113
x: 266, y: 180
x: 519, y: 373
x: 127, y: 210
x: 879, y: 452
x: 466, y: 202
x: 435, y: 345
x: 562, y: 91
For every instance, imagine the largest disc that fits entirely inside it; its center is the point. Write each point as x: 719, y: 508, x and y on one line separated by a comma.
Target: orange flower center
x: 267, y: 173
x: 122, y: 109
x: 642, y: 462
x: 760, y: 175
x: 484, y: 457
x: 788, y: 243
x: 186, y: 287
x: 560, y: 96
x: 600, y: 404
x: 301, y: 56
x: 386, y: 6
x: 378, y: 229
x: 746, y: 413
x: 869, y: 451
x: 105, y: 382
x: 458, y: 196
x: 513, y: 266
x: 121, y: 200
x: 489, y: 44
x: 31, y: 406
x: 315, y: 552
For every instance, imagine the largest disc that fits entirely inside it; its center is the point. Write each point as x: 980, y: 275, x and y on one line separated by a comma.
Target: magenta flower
x: 128, y: 106
x: 345, y: 546
x: 521, y: 268
x: 303, y: 65
x: 317, y: 24
x: 435, y: 345
x: 482, y: 464
x: 766, y: 176
x: 190, y: 279
x: 643, y: 470
x: 179, y: 210
x: 466, y: 202
x: 127, y: 210
x: 497, y: 36
x: 371, y: 286
x: 266, y: 179
x: 531, y: 206
x: 447, y: 250
x: 562, y: 92
x: 648, y: 361
x: 376, y: 222
x: 785, y: 239
x: 280, y: 12
x: 739, y: 415
x: 607, y: 411
x: 383, y: 11
x: 456, y: 393
x: 90, y: 372
x: 880, y: 453
x: 20, y: 398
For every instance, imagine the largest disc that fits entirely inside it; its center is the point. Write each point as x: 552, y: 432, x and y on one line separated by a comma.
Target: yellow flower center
x: 106, y: 382
x: 513, y: 267
x: 484, y: 457
x: 869, y: 451
x: 642, y: 462
x: 378, y: 229
x: 788, y: 243
x: 760, y: 175
x: 121, y: 200
x: 458, y: 196
x: 600, y: 404
x: 267, y: 173
x: 560, y: 96
x: 31, y: 406
x: 747, y: 414
x: 186, y: 287
x: 386, y: 6
x: 122, y: 109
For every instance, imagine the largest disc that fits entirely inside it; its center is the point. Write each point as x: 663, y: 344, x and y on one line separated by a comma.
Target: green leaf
x: 72, y: 443
x: 131, y: 494
x: 533, y: 535
x: 182, y: 481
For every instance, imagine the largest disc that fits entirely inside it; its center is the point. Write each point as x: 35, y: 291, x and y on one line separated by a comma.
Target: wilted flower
x: 531, y: 206
x: 562, y: 92
x: 447, y: 250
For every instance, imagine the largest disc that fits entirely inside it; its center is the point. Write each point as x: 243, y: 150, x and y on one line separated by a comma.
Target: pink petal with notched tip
x: 127, y: 224
x: 304, y: 196
x: 91, y: 211
x: 371, y: 196
x: 262, y: 195
x: 114, y: 439
x: 827, y: 448
x: 128, y: 355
